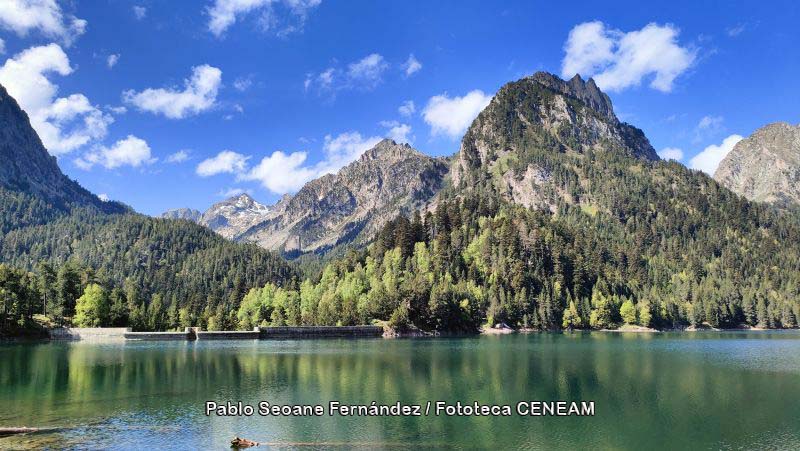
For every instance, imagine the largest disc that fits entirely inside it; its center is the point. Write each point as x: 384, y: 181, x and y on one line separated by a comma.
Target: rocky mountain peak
x: 584, y: 91
x: 388, y: 150
x: 765, y: 167
x: 536, y: 125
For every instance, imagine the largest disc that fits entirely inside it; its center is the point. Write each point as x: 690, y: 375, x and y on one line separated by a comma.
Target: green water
x: 665, y: 391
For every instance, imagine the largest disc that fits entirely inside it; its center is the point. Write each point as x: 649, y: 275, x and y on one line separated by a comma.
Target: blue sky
x: 177, y: 104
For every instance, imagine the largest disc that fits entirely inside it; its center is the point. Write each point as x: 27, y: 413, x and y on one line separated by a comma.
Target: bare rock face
x: 538, y: 125
x: 188, y: 214
x: 765, y: 167
x: 340, y: 208
x: 231, y: 217
x: 351, y: 205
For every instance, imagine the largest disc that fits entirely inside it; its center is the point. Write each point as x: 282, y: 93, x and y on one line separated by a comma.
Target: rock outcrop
x: 765, y: 167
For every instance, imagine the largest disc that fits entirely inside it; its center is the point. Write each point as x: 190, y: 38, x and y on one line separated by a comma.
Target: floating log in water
x: 4, y: 432
x: 239, y: 443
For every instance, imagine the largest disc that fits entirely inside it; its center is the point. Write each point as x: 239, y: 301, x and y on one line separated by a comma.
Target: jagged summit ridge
x: 585, y: 91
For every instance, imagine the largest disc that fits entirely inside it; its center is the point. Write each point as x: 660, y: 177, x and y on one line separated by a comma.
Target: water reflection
x: 664, y: 390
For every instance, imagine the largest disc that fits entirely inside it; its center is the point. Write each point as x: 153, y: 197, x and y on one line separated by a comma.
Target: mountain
x: 351, y: 205
x: 765, y: 167
x: 558, y: 215
x: 518, y: 142
x: 188, y: 214
x: 346, y: 207
x: 32, y: 187
x: 232, y: 217
x: 49, y: 221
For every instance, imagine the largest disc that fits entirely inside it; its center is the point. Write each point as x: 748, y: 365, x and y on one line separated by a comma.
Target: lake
x: 703, y: 390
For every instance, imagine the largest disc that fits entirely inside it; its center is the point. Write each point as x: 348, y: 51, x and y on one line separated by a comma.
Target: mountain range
x: 553, y: 213
x: 335, y: 209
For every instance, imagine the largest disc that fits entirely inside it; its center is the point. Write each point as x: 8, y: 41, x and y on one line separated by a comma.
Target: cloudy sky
x: 180, y: 104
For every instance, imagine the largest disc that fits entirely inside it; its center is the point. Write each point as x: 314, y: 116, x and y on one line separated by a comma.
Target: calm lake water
x: 665, y: 391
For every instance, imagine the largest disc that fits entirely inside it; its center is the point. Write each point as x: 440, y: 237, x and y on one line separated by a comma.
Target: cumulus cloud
x: 708, y: 160
x: 451, y: 116
x: 226, y: 161
x: 178, y: 157
x: 64, y: 123
x: 224, y: 13
x: 367, y: 72
x: 199, y: 94
x: 44, y: 16
x: 618, y: 60
x: 671, y: 153
x: 139, y: 12
x: 407, y: 108
x: 283, y: 172
x: 412, y: 65
x: 399, y: 132
x: 131, y: 151
x: 112, y: 59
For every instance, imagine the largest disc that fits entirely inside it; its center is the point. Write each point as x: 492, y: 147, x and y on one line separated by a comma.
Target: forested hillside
x: 555, y: 215
x: 57, y: 239
x: 612, y: 236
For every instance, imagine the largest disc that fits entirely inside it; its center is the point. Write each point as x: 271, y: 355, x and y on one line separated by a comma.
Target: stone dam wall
x: 321, y: 331
x: 194, y: 333
x: 89, y: 333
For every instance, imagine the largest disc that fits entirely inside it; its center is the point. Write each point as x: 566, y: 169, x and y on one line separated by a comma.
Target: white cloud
x: 671, y: 153
x: 233, y: 192
x: 2, y: 46
x: 709, y: 122
x: 104, y: 197
x: 139, y: 12
x: 65, y: 123
x: 198, y: 95
x: 131, y: 151
x: 399, y: 132
x: 241, y: 84
x: 112, y: 60
x: 282, y: 173
x: 708, y: 160
x: 412, y: 65
x: 736, y: 31
x: 618, y: 60
x: 367, y: 72
x: 226, y: 161
x: 407, y: 108
x: 707, y: 127
x: 45, y: 16
x: 451, y: 116
x: 224, y: 13
x: 178, y: 157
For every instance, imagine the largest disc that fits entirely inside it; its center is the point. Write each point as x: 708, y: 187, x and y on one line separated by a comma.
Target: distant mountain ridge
x: 765, y: 167
x: 340, y: 208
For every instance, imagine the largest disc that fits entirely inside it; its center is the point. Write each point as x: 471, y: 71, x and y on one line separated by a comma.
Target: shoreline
x: 326, y: 332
